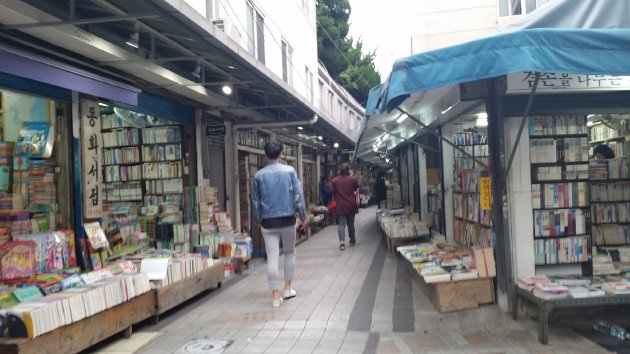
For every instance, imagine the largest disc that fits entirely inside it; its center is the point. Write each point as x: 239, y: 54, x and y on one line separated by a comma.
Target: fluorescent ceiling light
x: 227, y: 89
x: 300, y: 128
x: 401, y: 118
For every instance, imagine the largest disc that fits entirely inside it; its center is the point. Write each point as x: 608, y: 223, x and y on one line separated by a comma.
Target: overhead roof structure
x: 180, y: 53
x: 427, y: 85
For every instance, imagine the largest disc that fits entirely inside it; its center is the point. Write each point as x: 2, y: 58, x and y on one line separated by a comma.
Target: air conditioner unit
x: 226, y: 25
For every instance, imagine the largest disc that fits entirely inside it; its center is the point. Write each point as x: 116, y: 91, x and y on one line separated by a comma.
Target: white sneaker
x: 289, y: 294
x: 276, y: 303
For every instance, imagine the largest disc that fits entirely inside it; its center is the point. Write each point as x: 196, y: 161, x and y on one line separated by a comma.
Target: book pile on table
x: 529, y: 282
x: 440, y: 261
x: 551, y: 290
x: 617, y: 287
x: 26, y: 312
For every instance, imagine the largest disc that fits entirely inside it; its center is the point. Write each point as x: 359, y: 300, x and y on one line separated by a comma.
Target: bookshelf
x: 615, y: 134
x: 558, y: 150
x: 610, y: 214
x: 472, y: 226
x: 143, y: 167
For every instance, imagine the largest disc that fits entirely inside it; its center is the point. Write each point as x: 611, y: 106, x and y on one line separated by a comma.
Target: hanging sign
x: 484, y: 192
x: 213, y: 130
x: 523, y: 82
x: 91, y: 152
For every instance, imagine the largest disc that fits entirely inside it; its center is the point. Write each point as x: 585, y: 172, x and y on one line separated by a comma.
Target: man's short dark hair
x: 344, y: 169
x: 273, y: 149
x: 605, y: 150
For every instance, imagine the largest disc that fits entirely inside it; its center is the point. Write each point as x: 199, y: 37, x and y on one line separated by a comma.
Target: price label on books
x: 484, y: 191
x: 92, y: 159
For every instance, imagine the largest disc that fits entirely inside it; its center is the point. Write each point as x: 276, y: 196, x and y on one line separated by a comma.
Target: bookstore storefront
x: 552, y: 155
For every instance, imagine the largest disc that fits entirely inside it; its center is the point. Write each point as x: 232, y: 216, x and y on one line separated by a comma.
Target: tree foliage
x: 341, y: 55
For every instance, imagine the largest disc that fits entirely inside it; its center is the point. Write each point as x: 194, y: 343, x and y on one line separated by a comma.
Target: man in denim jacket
x: 277, y: 195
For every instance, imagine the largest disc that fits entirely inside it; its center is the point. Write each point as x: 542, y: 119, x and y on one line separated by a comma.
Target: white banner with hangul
x: 522, y: 82
x: 91, y: 164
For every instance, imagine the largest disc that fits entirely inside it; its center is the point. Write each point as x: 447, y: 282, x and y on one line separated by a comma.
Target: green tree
x: 342, y: 56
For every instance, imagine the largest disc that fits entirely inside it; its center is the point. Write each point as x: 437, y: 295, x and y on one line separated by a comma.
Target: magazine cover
x: 35, y: 139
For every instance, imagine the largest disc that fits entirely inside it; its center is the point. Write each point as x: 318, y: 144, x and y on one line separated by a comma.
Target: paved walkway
x: 360, y: 300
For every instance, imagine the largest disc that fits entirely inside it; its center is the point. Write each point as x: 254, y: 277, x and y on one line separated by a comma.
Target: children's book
x: 35, y: 139
x: 17, y: 259
x: 96, y: 235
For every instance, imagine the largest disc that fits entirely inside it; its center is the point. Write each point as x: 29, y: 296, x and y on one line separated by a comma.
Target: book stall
x: 454, y: 278
x: 552, y: 292
x: 400, y: 226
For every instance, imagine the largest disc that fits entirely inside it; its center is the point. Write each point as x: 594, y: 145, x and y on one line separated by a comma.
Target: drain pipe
x: 233, y: 173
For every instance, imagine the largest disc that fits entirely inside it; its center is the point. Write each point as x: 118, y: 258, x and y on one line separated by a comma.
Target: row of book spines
x: 121, y: 138
x: 471, y: 234
x: 164, y: 186
x: 561, y: 222
x: 610, y: 192
x: 562, y: 250
x: 470, y: 138
x: 162, y: 170
x: 611, y: 234
x: 560, y: 195
x: 611, y: 168
x: 557, y: 125
x: 558, y: 150
x: 161, y: 135
x: 610, y: 213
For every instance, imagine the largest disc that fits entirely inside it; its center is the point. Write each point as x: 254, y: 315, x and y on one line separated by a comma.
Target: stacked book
x: 585, y: 291
x: 432, y: 272
x: 34, y: 314
x: 603, y: 264
x: 529, y: 282
x: 616, y: 287
x: 551, y: 290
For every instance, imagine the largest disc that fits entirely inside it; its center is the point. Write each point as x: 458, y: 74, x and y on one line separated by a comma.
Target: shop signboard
x: 523, y: 82
x: 214, y: 130
x: 484, y: 191
x: 91, y: 152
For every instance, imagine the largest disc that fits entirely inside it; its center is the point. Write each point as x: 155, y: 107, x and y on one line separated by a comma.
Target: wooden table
x: 177, y: 293
x: 546, y: 307
x: 455, y: 295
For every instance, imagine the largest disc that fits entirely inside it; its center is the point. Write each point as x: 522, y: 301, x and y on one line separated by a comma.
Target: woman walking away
x: 344, y: 189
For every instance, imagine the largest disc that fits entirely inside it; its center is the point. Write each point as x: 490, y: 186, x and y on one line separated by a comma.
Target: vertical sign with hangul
x: 91, y: 143
x: 485, y: 194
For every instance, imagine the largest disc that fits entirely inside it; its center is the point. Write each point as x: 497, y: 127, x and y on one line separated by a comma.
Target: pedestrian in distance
x: 380, y: 189
x: 324, y: 190
x: 345, y: 189
x: 277, y: 196
x: 603, y: 152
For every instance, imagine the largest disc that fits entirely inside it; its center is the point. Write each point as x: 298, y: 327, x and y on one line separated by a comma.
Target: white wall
x: 283, y: 20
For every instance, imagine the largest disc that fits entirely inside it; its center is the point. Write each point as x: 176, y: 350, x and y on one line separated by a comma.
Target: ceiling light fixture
x: 482, y: 120
x: 300, y: 128
x: 134, y: 38
x: 401, y: 118
x: 336, y: 145
x: 320, y: 137
x: 227, y: 89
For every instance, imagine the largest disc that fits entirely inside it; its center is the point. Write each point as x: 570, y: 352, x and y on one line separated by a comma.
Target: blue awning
x: 577, y: 51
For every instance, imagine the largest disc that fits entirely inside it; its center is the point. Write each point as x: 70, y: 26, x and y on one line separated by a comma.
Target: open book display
x: 441, y: 262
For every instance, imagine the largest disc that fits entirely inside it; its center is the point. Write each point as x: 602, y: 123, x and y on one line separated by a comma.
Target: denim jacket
x: 277, y: 192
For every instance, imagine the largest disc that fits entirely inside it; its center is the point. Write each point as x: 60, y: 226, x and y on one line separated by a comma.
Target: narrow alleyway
x: 361, y: 300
